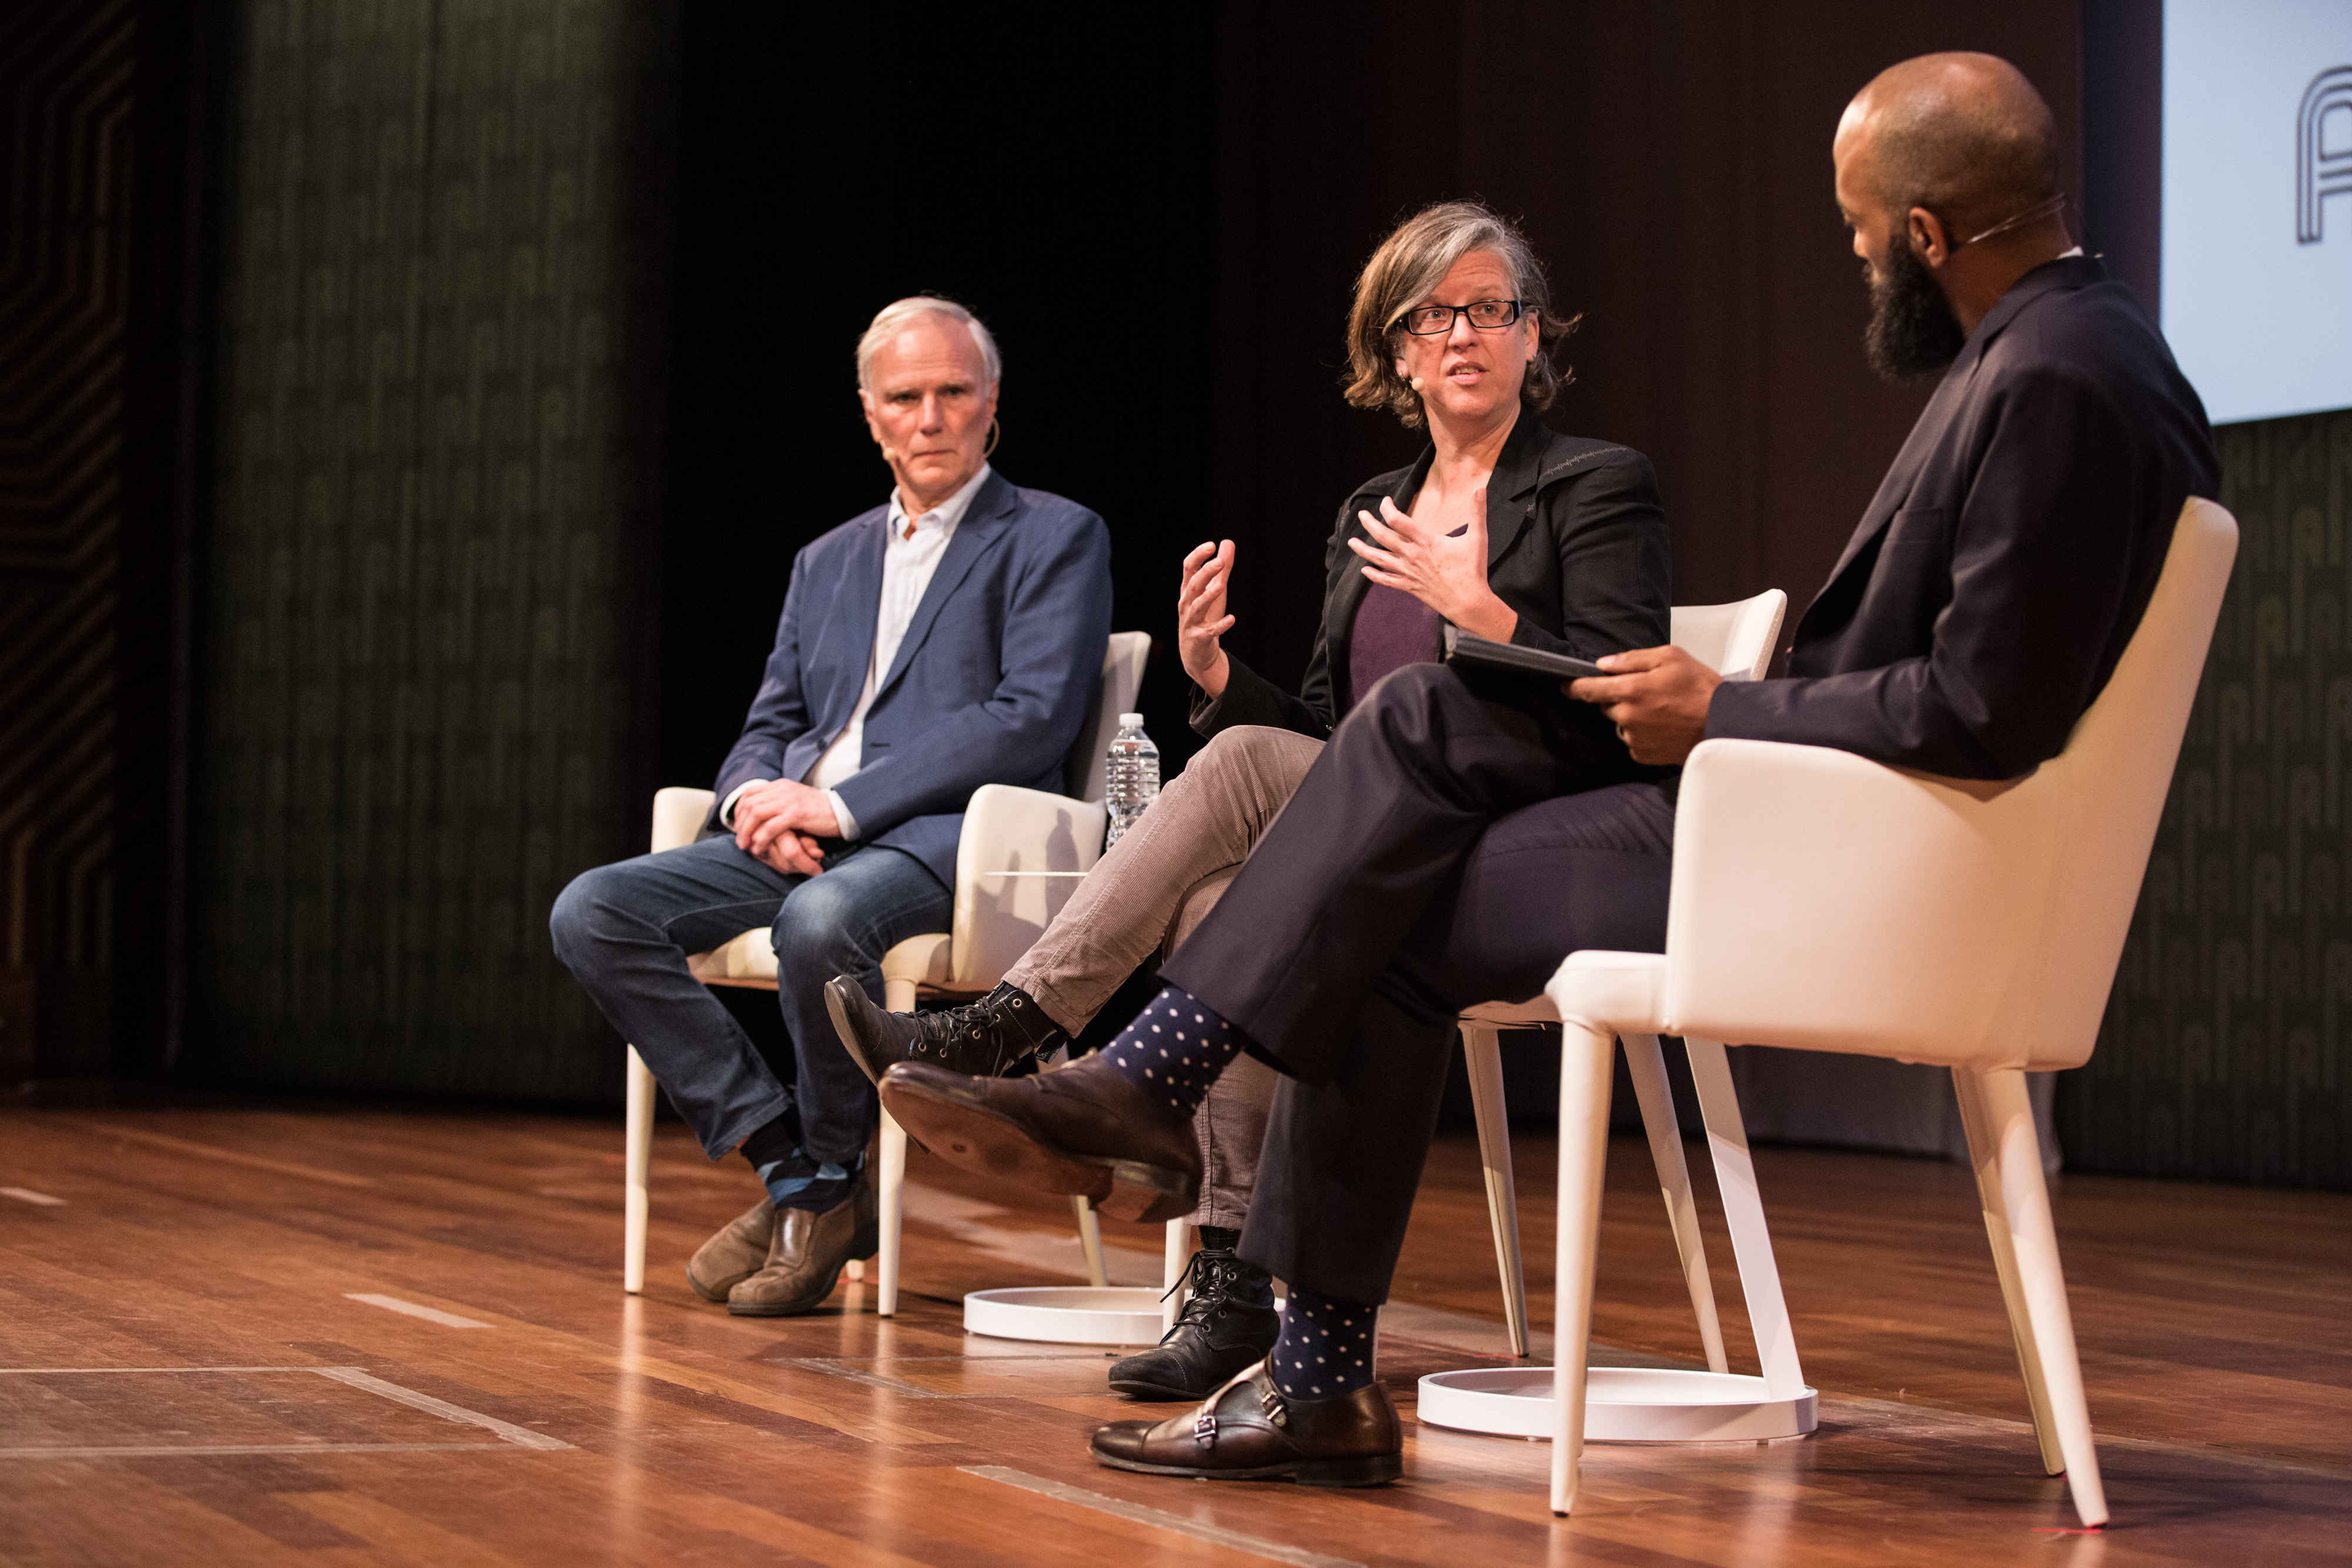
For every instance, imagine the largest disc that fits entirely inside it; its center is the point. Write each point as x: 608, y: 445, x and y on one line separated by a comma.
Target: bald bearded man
x: 1977, y: 611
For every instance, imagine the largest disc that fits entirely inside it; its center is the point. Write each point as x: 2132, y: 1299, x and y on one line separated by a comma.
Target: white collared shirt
x: 909, y: 557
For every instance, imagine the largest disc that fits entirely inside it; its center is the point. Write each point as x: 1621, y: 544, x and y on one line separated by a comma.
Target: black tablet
x: 1469, y: 648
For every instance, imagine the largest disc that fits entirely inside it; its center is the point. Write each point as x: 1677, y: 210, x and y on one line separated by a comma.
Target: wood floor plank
x: 229, y: 1233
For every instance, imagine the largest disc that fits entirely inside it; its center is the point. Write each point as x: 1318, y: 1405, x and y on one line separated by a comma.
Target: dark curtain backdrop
x: 425, y: 704
x: 1056, y: 182
x: 101, y: 289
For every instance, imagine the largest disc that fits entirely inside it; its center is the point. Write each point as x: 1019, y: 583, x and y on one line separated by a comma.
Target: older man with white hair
x: 950, y: 638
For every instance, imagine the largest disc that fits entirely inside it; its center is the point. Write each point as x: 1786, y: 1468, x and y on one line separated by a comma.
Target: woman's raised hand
x: 1444, y: 570
x: 1200, y: 618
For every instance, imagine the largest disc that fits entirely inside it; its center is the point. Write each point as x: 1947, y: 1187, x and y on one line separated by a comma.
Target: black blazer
x: 2010, y: 550
x: 1576, y: 543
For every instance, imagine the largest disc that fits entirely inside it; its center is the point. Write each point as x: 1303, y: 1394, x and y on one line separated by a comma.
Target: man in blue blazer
x: 949, y: 638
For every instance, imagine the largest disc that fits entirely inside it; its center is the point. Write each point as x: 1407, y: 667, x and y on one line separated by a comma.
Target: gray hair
x: 1409, y: 264
x: 894, y: 317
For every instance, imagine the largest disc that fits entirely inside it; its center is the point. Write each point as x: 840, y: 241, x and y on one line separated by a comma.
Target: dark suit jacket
x: 2010, y: 551
x: 998, y: 670
x: 1576, y: 543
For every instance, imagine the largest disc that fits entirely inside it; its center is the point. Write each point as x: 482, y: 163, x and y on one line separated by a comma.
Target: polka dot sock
x: 1175, y: 1049
x: 1325, y: 1348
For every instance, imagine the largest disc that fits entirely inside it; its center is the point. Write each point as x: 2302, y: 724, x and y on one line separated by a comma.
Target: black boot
x: 988, y: 1039
x: 1229, y: 1324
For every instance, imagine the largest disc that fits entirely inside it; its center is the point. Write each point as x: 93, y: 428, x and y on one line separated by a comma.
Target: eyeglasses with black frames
x: 1486, y: 315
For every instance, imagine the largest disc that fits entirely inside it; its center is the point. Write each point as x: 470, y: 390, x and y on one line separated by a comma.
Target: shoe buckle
x: 1204, y: 1427
x: 1270, y: 1402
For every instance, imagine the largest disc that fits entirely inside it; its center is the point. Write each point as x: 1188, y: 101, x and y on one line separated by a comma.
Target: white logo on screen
x: 2323, y: 151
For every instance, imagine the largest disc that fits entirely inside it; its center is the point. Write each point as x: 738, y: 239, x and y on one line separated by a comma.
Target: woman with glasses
x: 1502, y: 527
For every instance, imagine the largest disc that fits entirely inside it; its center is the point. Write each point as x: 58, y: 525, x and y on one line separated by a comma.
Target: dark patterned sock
x: 1175, y: 1049
x: 793, y: 1180
x: 1325, y: 1348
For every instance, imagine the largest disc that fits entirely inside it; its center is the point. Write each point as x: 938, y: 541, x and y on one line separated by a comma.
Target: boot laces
x: 1213, y: 1281
x: 970, y: 1027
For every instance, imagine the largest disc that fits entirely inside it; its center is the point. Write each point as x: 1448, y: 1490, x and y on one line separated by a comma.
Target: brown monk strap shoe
x: 806, y: 1256
x: 734, y: 1255
x: 1080, y: 1129
x: 1249, y: 1430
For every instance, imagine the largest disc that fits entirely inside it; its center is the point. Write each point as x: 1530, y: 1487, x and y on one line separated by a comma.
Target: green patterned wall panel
x: 2222, y: 1053
x: 422, y: 704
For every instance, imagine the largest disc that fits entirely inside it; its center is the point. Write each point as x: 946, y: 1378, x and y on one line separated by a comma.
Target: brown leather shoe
x: 1250, y: 1431
x: 1082, y: 1128
x: 805, y: 1256
x: 734, y: 1254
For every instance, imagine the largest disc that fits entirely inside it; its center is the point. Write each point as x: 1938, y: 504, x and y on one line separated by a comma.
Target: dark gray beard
x: 1912, y: 331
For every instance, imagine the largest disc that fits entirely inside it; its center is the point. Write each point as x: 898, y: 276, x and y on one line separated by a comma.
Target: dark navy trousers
x: 1452, y: 844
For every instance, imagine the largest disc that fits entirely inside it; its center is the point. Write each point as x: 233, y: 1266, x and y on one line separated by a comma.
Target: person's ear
x: 1930, y: 240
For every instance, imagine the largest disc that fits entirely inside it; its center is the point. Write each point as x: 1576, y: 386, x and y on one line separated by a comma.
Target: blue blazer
x: 999, y: 669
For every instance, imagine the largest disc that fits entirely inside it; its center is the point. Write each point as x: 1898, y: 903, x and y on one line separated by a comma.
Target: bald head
x: 1963, y: 135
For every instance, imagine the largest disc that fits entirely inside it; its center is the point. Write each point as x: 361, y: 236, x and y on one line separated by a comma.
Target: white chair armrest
x: 678, y: 816
x: 925, y: 960
x: 1798, y: 915
x: 1536, y: 1010
x: 1611, y: 993
x: 1022, y: 855
x: 749, y: 959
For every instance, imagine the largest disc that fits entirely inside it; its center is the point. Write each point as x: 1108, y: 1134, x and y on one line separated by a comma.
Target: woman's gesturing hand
x: 1445, y: 571
x: 1200, y: 618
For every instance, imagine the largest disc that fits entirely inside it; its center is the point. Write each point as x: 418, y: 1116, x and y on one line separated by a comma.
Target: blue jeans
x: 624, y: 931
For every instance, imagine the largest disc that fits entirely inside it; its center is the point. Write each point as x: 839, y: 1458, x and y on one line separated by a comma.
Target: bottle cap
x: 1130, y: 719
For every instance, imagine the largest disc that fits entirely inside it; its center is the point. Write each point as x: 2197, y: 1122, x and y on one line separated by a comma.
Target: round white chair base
x: 1622, y: 1405
x: 1067, y: 1314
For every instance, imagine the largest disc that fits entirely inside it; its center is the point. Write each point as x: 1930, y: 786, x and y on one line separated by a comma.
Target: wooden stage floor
x: 280, y: 1333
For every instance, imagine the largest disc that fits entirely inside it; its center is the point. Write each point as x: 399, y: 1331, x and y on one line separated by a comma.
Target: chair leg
x: 1981, y: 1144
x: 637, y: 1163
x: 1482, y: 1053
x: 2007, y: 1158
x: 1585, y: 1059
x: 1648, y: 1066
x: 889, y: 1197
x: 1743, y: 1211
x: 890, y: 1200
x: 1089, y: 1240
x: 1177, y: 1257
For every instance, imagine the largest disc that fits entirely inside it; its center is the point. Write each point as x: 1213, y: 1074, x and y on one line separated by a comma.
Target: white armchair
x: 1019, y: 859
x: 1825, y: 903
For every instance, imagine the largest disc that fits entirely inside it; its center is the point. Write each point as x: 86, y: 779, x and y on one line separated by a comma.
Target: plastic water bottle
x: 1130, y: 775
